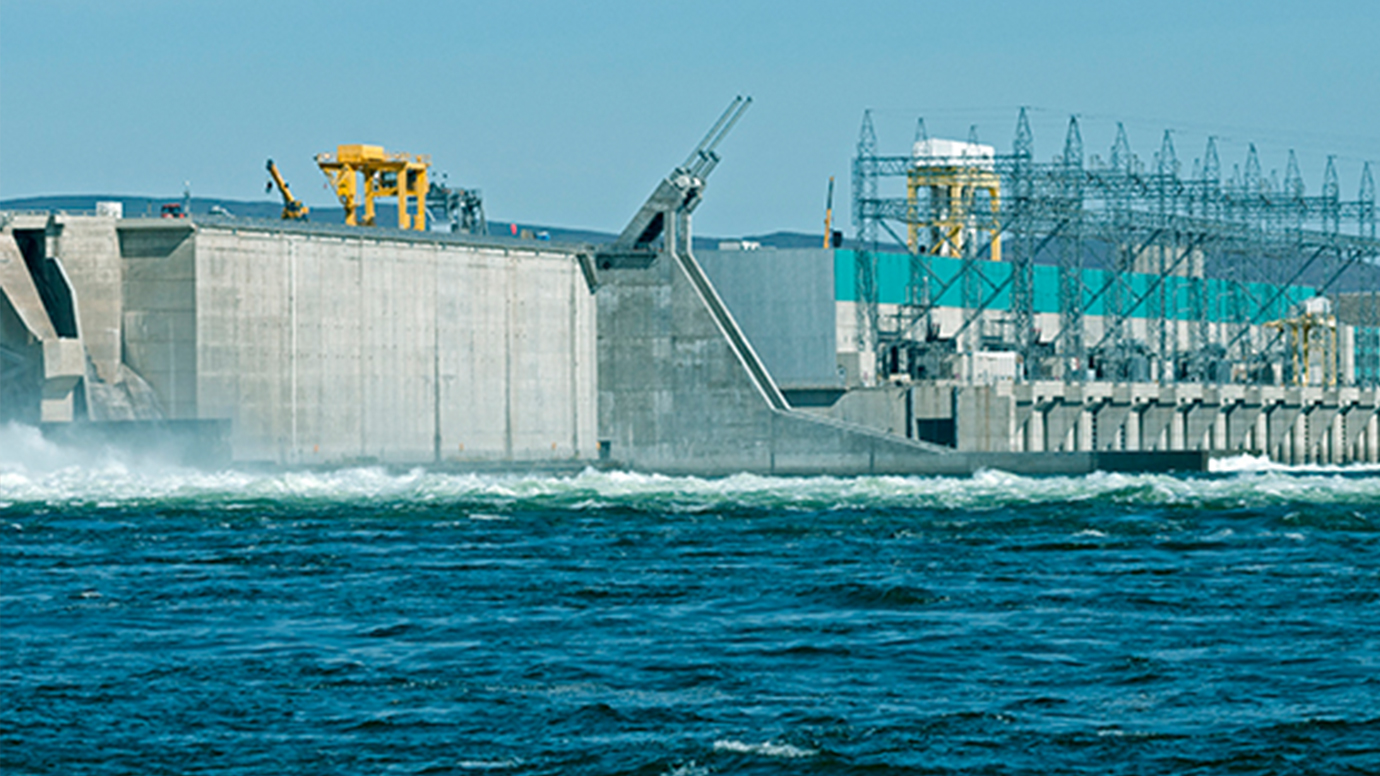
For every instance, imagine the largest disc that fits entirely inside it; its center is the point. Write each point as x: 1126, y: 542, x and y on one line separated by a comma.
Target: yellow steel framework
x: 1303, y: 330
x: 378, y: 173
x: 953, y: 189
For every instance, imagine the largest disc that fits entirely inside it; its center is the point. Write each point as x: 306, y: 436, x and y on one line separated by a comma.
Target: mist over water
x: 162, y: 619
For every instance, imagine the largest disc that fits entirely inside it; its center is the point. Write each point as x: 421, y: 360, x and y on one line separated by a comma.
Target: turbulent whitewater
x: 162, y: 620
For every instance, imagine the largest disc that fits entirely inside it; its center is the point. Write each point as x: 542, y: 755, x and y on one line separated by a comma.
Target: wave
x: 34, y: 471
x: 765, y: 749
x: 1261, y: 463
x: 489, y: 496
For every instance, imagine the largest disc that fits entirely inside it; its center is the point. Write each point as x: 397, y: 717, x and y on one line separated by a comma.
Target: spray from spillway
x: 34, y: 470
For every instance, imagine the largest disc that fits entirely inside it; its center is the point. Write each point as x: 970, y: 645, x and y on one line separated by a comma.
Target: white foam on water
x: 1260, y: 463
x: 765, y: 749
x: 34, y: 470
x: 487, y: 765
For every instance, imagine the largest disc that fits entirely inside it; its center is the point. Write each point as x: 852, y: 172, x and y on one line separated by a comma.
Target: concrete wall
x: 89, y: 250
x: 326, y: 348
x: 159, y: 309
x: 784, y: 302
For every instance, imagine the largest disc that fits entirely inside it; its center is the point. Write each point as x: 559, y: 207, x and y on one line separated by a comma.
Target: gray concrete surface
x: 323, y: 348
x: 674, y: 397
x: 785, y: 303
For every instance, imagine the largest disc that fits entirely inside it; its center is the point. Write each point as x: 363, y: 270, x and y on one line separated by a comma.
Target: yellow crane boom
x: 293, y: 209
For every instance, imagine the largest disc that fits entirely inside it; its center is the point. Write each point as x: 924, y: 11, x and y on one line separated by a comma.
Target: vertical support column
x: 1373, y: 439
x: 1336, y: 442
x: 370, y: 191
x: 1035, y: 429
x: 1084, y: 439
x: 1260, y: 434
x: 1219, y: 430
x: 1131, y: 440
x: 1177, y: 425
x: 420, y: 185
x: 1299, y: 440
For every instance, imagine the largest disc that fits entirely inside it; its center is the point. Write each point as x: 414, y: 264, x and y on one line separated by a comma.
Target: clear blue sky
x: 569, y: 113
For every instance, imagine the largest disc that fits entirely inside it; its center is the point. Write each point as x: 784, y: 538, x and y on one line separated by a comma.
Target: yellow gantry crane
x: 1302, y: 330
x: 293, y: 209
x: 953, y: 173
x: 369, y: 170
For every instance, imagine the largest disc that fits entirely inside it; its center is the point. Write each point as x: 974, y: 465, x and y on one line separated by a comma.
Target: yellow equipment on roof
x: 1315, y: 321
x: 377, y: 173
x: 293, y: 209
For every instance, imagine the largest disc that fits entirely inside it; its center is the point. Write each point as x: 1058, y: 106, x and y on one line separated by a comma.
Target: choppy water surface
x: 165, y: 621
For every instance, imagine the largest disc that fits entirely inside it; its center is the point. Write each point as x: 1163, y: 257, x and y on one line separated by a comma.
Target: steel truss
x: 1126, y: 219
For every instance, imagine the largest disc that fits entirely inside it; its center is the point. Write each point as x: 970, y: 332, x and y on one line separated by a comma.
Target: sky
x: 568, y: 114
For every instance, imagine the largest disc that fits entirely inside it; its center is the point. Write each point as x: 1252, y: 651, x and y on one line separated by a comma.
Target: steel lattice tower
x: 1190, y: 266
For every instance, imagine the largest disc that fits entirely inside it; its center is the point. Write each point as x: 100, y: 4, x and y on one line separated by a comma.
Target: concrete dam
x: 319, y: 345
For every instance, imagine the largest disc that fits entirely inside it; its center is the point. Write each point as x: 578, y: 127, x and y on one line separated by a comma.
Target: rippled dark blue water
x: 362, y: 623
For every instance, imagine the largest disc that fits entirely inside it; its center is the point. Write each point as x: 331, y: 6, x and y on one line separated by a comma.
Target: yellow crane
x: 293, y: 209
x: 1302, y: 330
x: 383, y: 174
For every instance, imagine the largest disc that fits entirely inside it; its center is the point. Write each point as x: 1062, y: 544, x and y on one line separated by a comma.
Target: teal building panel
x: 1142, y: 296
x: 1046, y: 289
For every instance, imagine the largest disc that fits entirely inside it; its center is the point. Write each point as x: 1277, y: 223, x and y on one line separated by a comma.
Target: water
x: 156, y: 620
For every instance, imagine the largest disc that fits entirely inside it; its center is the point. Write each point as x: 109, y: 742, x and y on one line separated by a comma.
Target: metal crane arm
x: 293, y: 209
